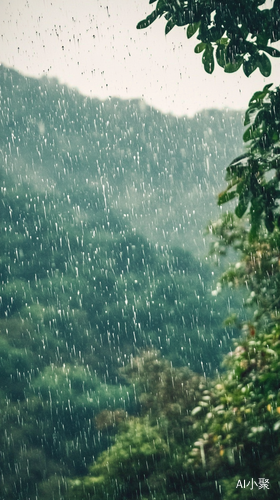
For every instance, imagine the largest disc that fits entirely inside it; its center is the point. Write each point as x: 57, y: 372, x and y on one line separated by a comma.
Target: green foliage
x: 257, y: 268
x: 101, y: 292
x: 237, y: 33
x: 214, y: 435
x: 150, y: 450
x: 139, y: 448
x: 74, y: 388
x: 194, y: 437
x: 253, y: 178
x: 82, y: 289
x: 247, y: 418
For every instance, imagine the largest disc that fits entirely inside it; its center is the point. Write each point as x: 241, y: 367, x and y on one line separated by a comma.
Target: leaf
x: 161, y: 7
x: 241, y: 208
x: 250, y: 65
x: 270, y: 50
x: 264, y: 65
x: 225, y: 196
x: 214, y: 34
x: 242, y: 188
x: 196, y: 410
x: 148, y: 21
x: 269, y: 221
x: 260, y: 95
x: 192, y: 29
x: 264, y: 116
x: 248, y: 134
x: 276, y: 425
x: 200, y: 47
x: 232, y: 67
x: 223, y: 41
x: 256, y: 211
x: 262, y: 39
x: 250, y: 111
x: 221, y: 55
x: 238, y: 162
x: 254, y: 231
x: 169, y: 26
x: 208, y: 59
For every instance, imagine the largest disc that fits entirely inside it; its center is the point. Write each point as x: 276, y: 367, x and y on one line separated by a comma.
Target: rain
x: 113, y: 321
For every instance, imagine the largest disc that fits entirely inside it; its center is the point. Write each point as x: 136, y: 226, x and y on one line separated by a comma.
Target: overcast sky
x: 93, y: 45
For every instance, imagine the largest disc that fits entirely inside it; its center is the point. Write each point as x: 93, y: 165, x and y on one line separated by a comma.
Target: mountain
x: 102, y: 205
x: 161, y: 173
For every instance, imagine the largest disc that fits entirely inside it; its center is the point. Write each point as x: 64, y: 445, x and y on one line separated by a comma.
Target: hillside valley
x: 103, y: 213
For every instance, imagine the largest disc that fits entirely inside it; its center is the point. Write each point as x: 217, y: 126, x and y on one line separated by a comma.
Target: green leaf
x: 262, y: 39
x: 269, y: 221
x: 208, y: 59
x: 248, y: 134
x: 167, y: 16
x: 241, y: 208
x: 221, y: 55
x: 148, y: 21
x: 243, y: 188
x: 169, y: 26
x: 260, y: 95
x: 225, y: 197
x: 161, y: 7
x: 264, y: 116
x: 254, y: 231
x: 250, y: 65
x: 247, y: 119
x: 192, y: 29
x: 223, y: 41
x: 270, y: 50
x: 232, y: 67
x: 264, y: 65
x: 239, y: 163
x: 200, y: 47
x: 257, y: 208
x: 252, y: 109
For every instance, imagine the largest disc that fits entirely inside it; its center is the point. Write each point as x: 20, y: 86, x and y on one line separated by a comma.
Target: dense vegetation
x: 194, y: 439
x: 84, y: 293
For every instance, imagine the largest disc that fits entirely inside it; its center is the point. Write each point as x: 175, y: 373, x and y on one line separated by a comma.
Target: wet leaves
x: 241, y: 33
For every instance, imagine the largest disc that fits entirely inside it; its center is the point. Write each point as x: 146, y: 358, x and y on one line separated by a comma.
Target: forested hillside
x: 102, y: 207
x: 161, y: 173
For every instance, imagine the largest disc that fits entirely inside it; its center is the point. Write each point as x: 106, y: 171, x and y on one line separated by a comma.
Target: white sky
x: 93, y: 45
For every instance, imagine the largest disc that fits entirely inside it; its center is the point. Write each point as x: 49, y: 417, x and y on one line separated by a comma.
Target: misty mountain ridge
x: 103, y: 204
x: 160, y: 173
